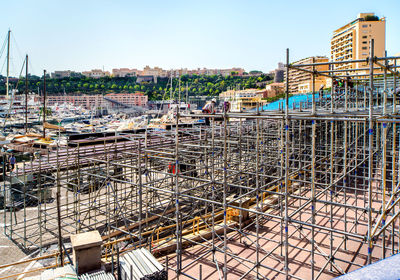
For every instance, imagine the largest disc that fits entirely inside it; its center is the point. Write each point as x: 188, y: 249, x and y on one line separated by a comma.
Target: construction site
x: 309, y: 191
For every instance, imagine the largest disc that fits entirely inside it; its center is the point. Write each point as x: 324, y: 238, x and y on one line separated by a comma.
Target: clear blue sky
x: 253, y: 34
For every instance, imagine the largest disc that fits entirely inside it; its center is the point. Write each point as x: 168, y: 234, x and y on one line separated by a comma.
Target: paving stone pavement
x: 10, y: 253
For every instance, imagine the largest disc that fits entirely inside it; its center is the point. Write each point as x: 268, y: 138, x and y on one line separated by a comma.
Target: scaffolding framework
x: 305, y: 192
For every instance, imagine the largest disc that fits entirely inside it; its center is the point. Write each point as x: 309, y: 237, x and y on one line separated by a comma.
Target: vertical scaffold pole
x: 356, y: 95
x: 281, y: 174
x: 313, y: 88
x: 178, y: 233
x: 394, y: 87
x: 384, y: 162
x: 385, y: 87
x: 384, y: 151
x: 258, y: 195
x: 346, y: 93
x: 24, y: 204
x: 4, y: 194
x: 313, y: 199
x: 240, y: 177
x: 332, y: 89
x: 26, y: 94
x: 393, y: 176
x: 370, y: 149
x: 287, y: 167
x: 40, y: 205
x: 213, y: 187
x: 332, y: 178
x: 394, y: 144
x: 224, y: 197
x: 313, y: 123
x: 58, y: 197
x: 139, y: 171
x: 398, y: 204
x: 356, y: 163
x: 345, y: 179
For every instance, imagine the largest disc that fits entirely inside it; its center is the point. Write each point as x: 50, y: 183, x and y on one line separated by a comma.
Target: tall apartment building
x: 352, y: 41
x: 301, y: 82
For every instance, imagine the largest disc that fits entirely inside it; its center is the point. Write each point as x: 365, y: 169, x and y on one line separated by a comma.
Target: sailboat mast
x: 26, y: 94
x: 8, y: 62
x: 44, y: 103
x: 171, y: 88
x: 187, y: 101
x: 179, y: 98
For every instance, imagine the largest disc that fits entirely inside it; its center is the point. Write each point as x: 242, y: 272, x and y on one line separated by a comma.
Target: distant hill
x: 197, y: 85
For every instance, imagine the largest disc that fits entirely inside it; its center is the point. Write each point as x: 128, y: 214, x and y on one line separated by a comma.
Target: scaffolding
x: 308, y: 191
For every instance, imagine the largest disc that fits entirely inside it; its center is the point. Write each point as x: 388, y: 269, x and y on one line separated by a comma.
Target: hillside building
x: 65, y: 74
x: 96, y: 73
x: 274, y: 89
x: 96, y: 101
x: 125, y: 72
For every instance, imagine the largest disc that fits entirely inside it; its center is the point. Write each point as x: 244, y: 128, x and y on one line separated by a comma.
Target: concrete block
x: 86, y: 251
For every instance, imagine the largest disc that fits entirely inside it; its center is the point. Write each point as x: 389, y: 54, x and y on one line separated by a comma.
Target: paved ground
x: 242, y: 248
x: 10, y: 253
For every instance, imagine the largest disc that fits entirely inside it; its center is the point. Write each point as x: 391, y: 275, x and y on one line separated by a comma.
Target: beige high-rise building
x: 352, y: 41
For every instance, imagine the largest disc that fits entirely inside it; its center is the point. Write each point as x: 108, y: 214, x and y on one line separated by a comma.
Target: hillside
x: 197, y: 85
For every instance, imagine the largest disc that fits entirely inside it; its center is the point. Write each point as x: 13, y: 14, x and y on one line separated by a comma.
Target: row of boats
x: 28, y: 132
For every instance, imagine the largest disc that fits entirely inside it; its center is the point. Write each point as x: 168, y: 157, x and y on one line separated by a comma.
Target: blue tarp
x: 294, y: 99
x: 386, y: 269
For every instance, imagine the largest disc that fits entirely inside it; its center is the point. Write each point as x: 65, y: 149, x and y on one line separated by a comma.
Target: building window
x: 365, y: 25
x: 364, y: 48
x: 364, y: 42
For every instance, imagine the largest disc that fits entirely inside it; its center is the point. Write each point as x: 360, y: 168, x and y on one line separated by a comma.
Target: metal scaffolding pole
x: 370, y: 151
